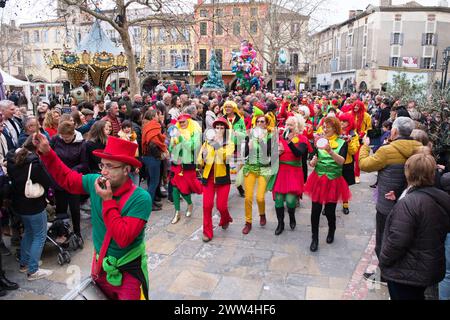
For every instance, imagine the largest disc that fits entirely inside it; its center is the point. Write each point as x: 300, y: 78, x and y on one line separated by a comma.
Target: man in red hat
x: 119, y: 210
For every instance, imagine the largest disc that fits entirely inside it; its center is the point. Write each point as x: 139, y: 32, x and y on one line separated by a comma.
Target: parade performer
x: 287, y: 184
x: 120, y: 211
x: 352, y: 139
x: 213, y: 159
x: 363, y: 124
x: 257, y: 169
x: 183, y: 177
x: 237, y: 125
x: 325, y: 185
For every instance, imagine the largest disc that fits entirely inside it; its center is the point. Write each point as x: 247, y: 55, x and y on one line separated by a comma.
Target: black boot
x: 241, y: 191
x: 6, y: 284
x: 314, y: 244
x: 280, y: 217
x: 331, y: 226
x: 292, y: 222
x: 330, y: 236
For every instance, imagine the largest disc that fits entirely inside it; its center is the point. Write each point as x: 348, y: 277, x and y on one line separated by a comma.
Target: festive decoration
x: 95, y: 58
x: 246, y: 67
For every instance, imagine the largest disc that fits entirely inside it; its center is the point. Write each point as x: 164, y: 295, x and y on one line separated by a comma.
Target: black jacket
x: 18, y: 176
x: 412, y: 249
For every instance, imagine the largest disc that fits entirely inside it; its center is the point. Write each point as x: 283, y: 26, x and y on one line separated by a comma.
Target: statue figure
x: 214, y: 81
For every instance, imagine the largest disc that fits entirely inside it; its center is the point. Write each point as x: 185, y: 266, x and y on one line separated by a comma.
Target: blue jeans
x: 33, y: 240
x: 153, y: 166
x: 444, y: 285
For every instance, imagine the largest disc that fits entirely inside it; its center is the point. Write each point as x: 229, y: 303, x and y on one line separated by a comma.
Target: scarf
x: 152, y: 133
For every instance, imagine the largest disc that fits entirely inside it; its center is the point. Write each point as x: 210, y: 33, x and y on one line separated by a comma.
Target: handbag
x: 33, y: 190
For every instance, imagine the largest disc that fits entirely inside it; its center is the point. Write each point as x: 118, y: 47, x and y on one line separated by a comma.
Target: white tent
x: 9, y: 80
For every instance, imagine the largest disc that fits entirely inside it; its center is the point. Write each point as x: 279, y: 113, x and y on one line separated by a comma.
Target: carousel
x: 90, y: 64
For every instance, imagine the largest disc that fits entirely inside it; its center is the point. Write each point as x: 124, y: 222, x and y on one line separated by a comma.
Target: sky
x: 335, y: 11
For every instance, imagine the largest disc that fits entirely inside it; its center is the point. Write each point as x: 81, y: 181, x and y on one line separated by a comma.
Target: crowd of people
x: 177, y: 143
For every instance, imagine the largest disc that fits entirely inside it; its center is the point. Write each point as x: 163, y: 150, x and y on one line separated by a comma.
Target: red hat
x: 184, y: 117
x: 119, y: 150
x: 222, y: 121
x: 334, y: 102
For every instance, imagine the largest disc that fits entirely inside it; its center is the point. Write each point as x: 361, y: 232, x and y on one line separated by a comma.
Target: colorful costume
x: 257, y: 169
x: 183, y: 175
x: 216, y: 180
x: 287, y: 184
x: 123, y: 273
x: 326, y: 186
x: 363, y: 124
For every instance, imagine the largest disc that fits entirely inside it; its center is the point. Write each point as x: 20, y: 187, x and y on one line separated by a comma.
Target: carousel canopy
x: 97, y: 41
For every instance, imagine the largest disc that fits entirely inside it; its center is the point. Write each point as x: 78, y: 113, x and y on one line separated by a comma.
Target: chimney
x: 351, y: 14
x: 385, y: 3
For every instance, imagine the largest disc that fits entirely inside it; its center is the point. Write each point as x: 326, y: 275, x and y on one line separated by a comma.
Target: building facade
x: 374, y: 45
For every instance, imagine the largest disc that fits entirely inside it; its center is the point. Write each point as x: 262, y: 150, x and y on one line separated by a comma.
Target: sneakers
x: 39, y: 274
x: 24, y: 269
x: 346, y: 211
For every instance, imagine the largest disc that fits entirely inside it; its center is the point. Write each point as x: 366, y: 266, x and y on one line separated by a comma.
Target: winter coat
x: 18, y: 175
x: 412, y: 249
x: 73, y: 154
x: 389, y: 161
x: 209, y: 119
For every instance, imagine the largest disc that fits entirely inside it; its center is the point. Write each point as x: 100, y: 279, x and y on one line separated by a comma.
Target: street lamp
x: 445, y: 62
x: 2, y: 3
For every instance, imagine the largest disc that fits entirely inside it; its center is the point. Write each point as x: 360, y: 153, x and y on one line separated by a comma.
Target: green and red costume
x: 125, y: 262
x: 326, y: 183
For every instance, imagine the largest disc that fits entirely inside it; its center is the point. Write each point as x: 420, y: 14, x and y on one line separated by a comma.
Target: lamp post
x: 445, y: 62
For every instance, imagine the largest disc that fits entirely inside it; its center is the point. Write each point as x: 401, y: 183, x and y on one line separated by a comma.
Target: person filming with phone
x: 120, y: 211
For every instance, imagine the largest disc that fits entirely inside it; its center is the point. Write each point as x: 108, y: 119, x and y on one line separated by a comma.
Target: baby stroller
x: 60, y: 235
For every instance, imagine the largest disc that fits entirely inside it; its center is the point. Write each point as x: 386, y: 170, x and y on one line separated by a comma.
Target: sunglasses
x: 260, y: 121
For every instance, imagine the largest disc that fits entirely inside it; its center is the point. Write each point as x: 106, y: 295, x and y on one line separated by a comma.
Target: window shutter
x: 424, y: 38
x: 435, y: 39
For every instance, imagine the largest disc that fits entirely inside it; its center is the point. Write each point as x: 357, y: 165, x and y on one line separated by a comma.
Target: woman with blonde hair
x: 287, y: 184
x: 51, y: 121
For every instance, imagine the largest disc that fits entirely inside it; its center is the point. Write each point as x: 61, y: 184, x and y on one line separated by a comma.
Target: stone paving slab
x: 234, y: 266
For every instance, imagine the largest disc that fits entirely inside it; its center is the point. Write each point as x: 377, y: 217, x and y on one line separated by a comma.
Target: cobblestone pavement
x: 234, y: 266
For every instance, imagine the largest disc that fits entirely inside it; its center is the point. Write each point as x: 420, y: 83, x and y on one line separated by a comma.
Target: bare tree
x: 130, y: 13
x: 287, y: 24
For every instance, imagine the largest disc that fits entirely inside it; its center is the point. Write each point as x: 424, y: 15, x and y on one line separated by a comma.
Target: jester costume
x: 183, y: 175
x: 118, y: 225
x: 257, y: 170
x: 326, y: 186
x: 287, y: 184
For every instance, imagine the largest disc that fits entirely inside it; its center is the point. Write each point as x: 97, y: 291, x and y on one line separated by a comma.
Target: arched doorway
x: 337, y: 85
x: 363, y: 86
x: 348, y: 86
